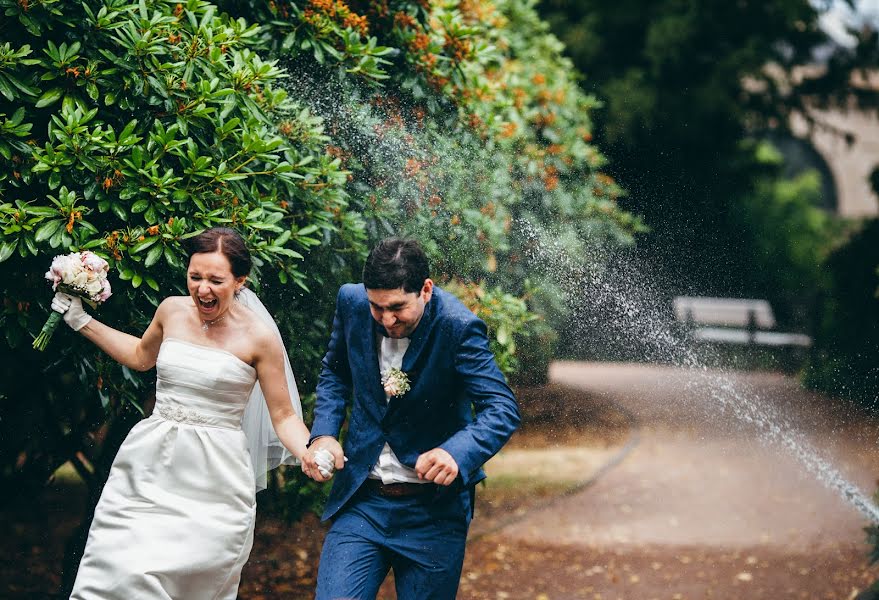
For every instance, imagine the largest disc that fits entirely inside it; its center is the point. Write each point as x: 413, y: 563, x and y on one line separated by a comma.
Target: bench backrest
x: 732, y: 312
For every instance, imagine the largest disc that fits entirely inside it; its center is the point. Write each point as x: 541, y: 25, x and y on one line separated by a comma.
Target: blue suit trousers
x: 420, y: 537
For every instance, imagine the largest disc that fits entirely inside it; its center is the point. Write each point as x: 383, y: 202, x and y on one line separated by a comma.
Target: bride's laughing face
x: 211, y: 284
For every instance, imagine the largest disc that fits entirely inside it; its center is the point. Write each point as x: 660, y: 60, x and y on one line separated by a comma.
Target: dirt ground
x: 624, y: 482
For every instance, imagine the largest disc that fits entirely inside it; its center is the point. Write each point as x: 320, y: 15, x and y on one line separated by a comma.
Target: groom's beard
x: 400, y: 330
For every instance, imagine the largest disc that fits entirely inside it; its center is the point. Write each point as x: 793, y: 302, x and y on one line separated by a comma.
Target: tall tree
x: 672, y: 76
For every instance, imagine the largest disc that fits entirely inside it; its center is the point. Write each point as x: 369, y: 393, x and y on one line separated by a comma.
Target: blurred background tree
x: 687, y: 97
x: 847, y: 326
x: 696, y: 95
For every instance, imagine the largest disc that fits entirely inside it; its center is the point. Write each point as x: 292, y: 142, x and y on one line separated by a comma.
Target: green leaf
x: 128, y: 131
x: 119, y: 211
x: 47, y: 230
x: 141, y: 205
x: 27, y: 89
x: 6, y: 249
x: 29, y: 246
x: 141, y: 246
x: 171, y: 258
x: 50, y: 97
x: 42, y: 211
x: 153, y: 256
x: 127, y: 193
x: 57, y: 238
x: 151, y: 216
x: 6, y: 89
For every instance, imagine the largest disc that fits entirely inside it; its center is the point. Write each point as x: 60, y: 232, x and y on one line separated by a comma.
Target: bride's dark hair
x: 225, y: 240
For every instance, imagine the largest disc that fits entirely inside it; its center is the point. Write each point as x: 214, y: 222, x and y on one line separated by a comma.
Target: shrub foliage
x: 313, y: 127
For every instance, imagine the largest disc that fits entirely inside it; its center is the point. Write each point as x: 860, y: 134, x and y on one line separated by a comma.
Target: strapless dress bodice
x: 201, y: 385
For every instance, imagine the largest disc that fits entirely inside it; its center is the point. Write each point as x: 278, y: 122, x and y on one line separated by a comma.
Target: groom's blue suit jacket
x: 459, y: 399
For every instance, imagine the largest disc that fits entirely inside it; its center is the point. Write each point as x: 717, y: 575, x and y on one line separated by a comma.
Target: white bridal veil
x: 266, y: 450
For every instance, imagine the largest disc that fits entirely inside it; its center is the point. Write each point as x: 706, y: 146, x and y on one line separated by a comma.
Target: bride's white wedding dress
x: 176, y: 517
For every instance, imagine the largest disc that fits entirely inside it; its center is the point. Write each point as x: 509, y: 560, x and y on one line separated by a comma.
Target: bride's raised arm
x: 270, y: 371
x: 139, y: 353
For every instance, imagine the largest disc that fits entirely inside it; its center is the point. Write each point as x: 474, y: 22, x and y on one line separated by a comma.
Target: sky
x: 840, y: 14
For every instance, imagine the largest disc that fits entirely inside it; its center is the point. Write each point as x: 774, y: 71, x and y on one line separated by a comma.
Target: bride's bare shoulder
x: 172, y: 305
x: 176, y: 302
x: 259, y: 333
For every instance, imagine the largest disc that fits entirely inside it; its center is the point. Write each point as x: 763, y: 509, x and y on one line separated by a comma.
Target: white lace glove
x: 71, y: 309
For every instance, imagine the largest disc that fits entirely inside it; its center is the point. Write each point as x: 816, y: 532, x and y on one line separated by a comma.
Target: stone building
x: 848, y: 141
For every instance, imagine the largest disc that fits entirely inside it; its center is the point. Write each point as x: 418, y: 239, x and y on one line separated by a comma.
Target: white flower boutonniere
x: 395, y: 382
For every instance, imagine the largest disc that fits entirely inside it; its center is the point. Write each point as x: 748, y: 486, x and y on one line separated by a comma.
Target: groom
x: 404, y: 499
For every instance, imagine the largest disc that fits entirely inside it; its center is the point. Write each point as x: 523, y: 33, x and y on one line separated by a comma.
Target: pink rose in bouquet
x: 82, y: 274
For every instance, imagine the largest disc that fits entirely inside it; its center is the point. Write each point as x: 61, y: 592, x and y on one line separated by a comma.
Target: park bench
x: 733, y: 321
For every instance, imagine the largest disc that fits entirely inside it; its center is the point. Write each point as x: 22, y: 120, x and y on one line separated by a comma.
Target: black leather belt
x: 399, y: 490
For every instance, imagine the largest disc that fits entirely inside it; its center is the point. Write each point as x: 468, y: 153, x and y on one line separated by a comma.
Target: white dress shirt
x: 389, y: 469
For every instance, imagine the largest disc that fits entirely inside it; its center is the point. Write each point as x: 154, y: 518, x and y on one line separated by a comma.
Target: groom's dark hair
x: 396, y: 263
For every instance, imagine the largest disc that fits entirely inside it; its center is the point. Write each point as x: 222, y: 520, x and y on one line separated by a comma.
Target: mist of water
x: 606, y: 288
x: 643, y: 321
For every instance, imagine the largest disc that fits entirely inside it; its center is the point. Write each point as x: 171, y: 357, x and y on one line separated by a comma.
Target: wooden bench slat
x: 743, y: 337
x: 736, y: 312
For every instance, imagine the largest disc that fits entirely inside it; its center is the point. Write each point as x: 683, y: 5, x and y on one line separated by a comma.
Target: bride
x: 175, y: 519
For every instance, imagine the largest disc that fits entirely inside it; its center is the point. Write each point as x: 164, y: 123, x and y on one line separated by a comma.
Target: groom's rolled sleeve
x: 496, y: 411
x: 334, y: 383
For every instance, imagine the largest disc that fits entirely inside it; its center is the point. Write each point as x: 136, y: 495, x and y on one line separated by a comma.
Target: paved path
x: 707, y: 476
x: 699, y: 476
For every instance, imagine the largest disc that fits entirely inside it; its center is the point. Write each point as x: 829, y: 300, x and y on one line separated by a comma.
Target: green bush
x: 129, y: 126
x: 521, y: 340
x: 843, y: 360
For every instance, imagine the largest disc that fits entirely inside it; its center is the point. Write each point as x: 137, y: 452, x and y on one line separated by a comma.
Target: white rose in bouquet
x: 82, y: 274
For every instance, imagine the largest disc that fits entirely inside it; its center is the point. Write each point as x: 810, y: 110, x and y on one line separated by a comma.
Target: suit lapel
x: 418, y: 342
x: 373, y: 374
x: 418, y: 339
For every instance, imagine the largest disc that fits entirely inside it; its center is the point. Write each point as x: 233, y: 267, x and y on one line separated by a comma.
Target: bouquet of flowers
x: 82, y: 274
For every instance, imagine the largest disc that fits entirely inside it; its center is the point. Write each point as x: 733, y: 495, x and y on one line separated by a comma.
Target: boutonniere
x: 395, y: 382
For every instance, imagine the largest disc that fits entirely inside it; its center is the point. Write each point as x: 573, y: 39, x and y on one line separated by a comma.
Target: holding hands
x: 323, y: 457
x: 326, y: 462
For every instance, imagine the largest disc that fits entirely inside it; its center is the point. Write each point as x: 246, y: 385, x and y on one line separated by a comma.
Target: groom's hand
x: 309, y: 463
x: 437, y: 466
